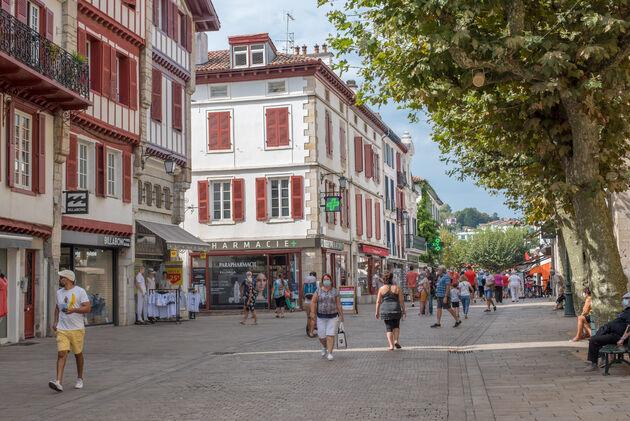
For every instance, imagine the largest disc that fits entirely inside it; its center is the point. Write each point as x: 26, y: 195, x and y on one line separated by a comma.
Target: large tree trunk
x: 593, y: 220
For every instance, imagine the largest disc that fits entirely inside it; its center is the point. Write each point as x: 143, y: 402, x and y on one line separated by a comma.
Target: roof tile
x: 220, y: 60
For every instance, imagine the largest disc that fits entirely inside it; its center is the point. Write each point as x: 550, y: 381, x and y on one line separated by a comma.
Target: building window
x: 341, y: 106
x: 240, y: 56
x: 276, y: 87
x: 148, y: 194
x: 111, y: 174
x: 33, y: 16
x: 279, y: 198
x: 140, y: 193
x: 23, y: 150
x: 158, y: 196
x: 257, y: 54
x: 168, y: 200
x: 82, y: 167
x: 355, y: 119
x: 365, y: 127
x: 222, y: 200
x: 219, y: 91
x: 327, y: 95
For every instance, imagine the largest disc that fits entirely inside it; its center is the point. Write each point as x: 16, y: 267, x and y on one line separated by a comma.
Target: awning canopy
x: 542, y: 269
x: 175, y: 237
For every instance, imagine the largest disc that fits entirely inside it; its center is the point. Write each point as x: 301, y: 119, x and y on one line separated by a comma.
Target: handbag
x: 342, y: 341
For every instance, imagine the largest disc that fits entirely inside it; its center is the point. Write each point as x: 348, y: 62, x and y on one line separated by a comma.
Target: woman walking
x: 249, y: 299
x: 465, y: 289
x: 280, y: 285
x: 390, y: 307
x: 326, y: 304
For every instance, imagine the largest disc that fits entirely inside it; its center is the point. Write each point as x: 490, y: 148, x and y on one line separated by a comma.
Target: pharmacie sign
x: 263, y: 244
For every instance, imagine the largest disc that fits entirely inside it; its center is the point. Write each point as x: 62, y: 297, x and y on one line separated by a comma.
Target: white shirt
x: 464, y: 289
x: 71, y: 298
x: 142, y: 288
x: 514, y: 280
x: 454, y: 295
x: 150, y: 283
x: 489, y: 282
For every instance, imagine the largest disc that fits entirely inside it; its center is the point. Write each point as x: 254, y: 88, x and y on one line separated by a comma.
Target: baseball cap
x: 151, y: 270
x: 68, y: 274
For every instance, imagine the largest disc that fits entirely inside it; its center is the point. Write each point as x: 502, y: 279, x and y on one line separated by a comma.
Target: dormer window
x: 257, y: 54
x: 240, y: 56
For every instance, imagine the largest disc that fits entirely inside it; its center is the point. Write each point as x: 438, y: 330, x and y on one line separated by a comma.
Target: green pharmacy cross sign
x: 332, y: 203
x: 437, y: 244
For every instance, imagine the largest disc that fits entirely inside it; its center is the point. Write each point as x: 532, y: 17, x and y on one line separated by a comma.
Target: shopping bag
x: 341, y: 337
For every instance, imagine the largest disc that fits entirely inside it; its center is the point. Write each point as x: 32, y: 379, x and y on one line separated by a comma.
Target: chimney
x: 297, y: 51
x: 325, y: 48
x: 352, y: 85
x: 316, y: 49
x: 304, y: 50
x: 201, y: 48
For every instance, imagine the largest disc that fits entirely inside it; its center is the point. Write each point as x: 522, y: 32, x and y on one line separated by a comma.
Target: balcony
x: 415, y: 244
x: 39, y: 70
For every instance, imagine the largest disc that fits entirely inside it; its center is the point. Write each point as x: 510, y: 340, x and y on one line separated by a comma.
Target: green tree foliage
x: 541, y: 85
x: 453, y: 254
x: 495, y: 250
x: 428, y: 228
x: 471, y: 217
x: 445, y: 211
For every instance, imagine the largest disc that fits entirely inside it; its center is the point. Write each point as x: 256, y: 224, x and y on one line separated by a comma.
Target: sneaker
x: 324, y: 352
x: 436, y: 325
x: 412, y: 305
x: 79, y: 384
x: 487, y: 310
x: 495, y: 308
x: 457, y: 323
x: 592, y: 367
x: 55, y: 385
x: 329, y: 357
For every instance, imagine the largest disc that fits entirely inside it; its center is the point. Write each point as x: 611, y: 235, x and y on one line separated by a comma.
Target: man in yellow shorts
x: 72, y: 304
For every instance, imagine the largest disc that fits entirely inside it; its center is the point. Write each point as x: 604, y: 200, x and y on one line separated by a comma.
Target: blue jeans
x: 465, y: 304
x: 429, y: 305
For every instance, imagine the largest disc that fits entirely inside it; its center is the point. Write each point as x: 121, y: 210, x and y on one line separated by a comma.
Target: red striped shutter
x: 133, y: 84
x: 219, y: 136
x: 106, y: 62
x: 155, y: 12
x: 21, y: 11
x: 100, y: 170
x: 202, y: 200
x: 40, y: 155
x: 169, y: 19
x: 359, y: 211
x: 175, y: 25
x: 224, y: 127
x: 271, y: 117
x: 397, y: 161
x: 71, y: 164
x: 238, y: 199
x: 177, y: 106
x: 367, y: 149
x: 347, y: 199
x: 358, y: 153
x: 49, y: 25
x: 213, y: 131
x: 328, y: 134
x: 156, y: 95
x: 81, y: 39
x: 368, y: 217
x: 283, y: 127
x: 261, y: 199
x: 342, y: 143
x: 6, y: 5
x: 188, y: 34
x: 126, y: 177
x: 377, y: 219
x: 113, y: 71
x: 297, y: 193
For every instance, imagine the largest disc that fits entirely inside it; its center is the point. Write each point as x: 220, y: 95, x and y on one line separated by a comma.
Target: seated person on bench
x: 613, y: 332
x: 584, y: 320
x: 560, y: 299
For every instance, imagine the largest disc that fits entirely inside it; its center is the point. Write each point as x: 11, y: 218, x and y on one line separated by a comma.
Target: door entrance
x: 29, y: 297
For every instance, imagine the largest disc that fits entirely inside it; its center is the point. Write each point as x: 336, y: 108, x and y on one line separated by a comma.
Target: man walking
x: 471, y: 277
x: 442, y: 294
x: 142, y: 298
x: 72, y: 304
x: 516, y: 286
x: 412, y: 283
x: 488, y: 288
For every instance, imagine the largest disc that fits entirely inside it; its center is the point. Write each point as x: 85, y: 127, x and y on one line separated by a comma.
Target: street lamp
x: 342, y: 182
x: 169, y: 165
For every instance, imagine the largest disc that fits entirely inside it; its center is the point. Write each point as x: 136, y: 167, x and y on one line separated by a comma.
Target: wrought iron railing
x: 28, y: 46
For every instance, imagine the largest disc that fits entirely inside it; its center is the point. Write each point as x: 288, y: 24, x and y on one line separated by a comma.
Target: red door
x: 29, y: 297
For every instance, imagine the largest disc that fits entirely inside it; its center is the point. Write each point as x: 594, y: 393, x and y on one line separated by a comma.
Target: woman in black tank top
x: 390, y: 306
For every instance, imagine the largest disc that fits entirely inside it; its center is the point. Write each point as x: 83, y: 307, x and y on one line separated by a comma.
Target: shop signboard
x: 202, y: 255
x: 76, y: 202
x: 174, y: 272
x: 346, y: 294
x: 332, y: 203
x: 288, y: 244
x: 113, y: 241
x: 379, y: 251
x: 173, y: 254
x: 331, y: 244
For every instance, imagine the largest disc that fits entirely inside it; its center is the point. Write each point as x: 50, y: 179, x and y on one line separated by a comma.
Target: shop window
x: 94, y: 271
x: 219, y: 91
x: 279, y: 193
x: 158, y: 196
x: 221, y: 200
x: 168, y: 199
x: 148, y: 194
x: 257, y: 55
x: 23, y: 150
x: 240, y: 56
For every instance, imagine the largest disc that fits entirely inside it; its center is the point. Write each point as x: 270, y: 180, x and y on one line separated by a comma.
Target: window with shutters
x: 82, y: 166
x: 123, y: 79
x: 277, y: 127
x: 257, y: 54
x: 221, y: 204
x: 94, y: 60
x: 218, y: 91
x: 219, y: 131
x: 240, y: 56
x: 112, y: 165
x: 277, y: 87
x: 33, y: 16
x: 156, y: 94
x: 164, y: 6
x: 177, y: 106
x: 23, y: 126
x: 279, y: 193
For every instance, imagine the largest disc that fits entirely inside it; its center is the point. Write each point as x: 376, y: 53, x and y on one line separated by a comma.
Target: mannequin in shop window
x: 151, y: 287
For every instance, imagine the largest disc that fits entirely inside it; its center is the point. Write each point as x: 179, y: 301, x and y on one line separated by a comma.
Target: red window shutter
x: 377, y: 219
x: 113, y: 71
x: 261, y: 199
x: 175, y: 25
x: 81, y: 38
x: 21, y: 11
x: 169, y: 20
x: 219, y: 131
x: 100, y: 170
x: 368, y: 217
x: 6, y: 5
x: 342, y: 143
x: 71, y: 164
x: 188, y: 34
x: 328, y: 134
x: 156, y: 94
x: 238, y: 199
x: 224, y: 128
x: 202, y: 196
x: 397, y: 161
x: 49, y: 25
x: 358, y: 153
x: 342, y: 193
x: 133, y: 84
x: 213, y: 131
x: 106, y: 62
x: 126, y: 177
x: 271, y: 117
x: 283, y: 126
x: 39, y: 156
x: 359, y: 204
x: 155, y: 12
x: 177, y: 106
x: 297, y: 193
x: 367, y: 149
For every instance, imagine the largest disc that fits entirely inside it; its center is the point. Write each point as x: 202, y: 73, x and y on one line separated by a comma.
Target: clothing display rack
x: 161, y: 301
x: 194, y: 299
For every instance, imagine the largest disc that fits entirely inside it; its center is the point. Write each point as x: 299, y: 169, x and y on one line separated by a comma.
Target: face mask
x: 327, y: 283
x: 625, y: 303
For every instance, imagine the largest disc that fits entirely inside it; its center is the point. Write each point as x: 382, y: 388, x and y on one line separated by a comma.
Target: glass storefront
x: 335, y: 266
x: 227, y: 273
x: 94, y: 269
x: 369, y: 270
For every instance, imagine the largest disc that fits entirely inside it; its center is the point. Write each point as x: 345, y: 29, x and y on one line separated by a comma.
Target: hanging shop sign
x: 347, y: 296
x: 113, y: 241
x: 202, y: 255
x: 379, y: 251
x: 174, y: 272
x: 173, y: 253
x: 332, y: 203
x: 263, y: 244
x: 76, y: 202
x: 331, y: 244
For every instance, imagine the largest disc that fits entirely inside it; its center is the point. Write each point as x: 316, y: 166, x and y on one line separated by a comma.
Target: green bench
x: 617, y: 354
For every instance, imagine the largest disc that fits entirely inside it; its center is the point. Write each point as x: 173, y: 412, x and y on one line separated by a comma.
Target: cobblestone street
x: 516, y: 363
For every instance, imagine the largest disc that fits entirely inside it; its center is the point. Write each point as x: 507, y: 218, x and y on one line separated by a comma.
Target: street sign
x: 332, y: 203
x: 76, y: 202
x: 437, y: 244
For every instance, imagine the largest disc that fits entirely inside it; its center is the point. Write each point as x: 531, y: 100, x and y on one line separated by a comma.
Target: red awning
x: 542, y: 269
x: 379, y: 251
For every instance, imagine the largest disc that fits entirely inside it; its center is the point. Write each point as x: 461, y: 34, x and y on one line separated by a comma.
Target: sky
x: 310, y: 27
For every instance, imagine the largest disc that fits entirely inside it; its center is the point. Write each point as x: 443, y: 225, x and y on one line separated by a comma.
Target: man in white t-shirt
x: 516, y: 286
x: 142, y: 297
x: 72, y: 304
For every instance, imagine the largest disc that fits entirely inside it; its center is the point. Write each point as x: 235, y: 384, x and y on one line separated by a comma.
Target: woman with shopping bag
x: 326, y: 306
x: 390, y: 307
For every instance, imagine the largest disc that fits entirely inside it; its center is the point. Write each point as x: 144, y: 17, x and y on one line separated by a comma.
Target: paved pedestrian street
x: 514, y: 364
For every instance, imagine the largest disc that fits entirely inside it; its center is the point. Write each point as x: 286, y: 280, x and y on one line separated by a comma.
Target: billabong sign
x: 76, y: 202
